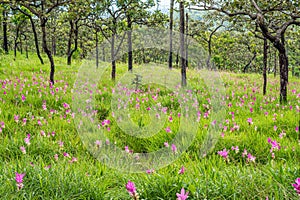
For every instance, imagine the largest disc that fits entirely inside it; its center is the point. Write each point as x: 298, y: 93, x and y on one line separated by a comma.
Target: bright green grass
x: 210, y: 177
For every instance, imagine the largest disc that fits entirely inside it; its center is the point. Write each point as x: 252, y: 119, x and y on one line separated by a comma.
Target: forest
x: 149, y: 99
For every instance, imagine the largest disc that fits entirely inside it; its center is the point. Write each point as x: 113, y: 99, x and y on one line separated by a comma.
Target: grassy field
x: 257, y: 155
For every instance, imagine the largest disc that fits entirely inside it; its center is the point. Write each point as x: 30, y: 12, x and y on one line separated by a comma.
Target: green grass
x: 211, y: 177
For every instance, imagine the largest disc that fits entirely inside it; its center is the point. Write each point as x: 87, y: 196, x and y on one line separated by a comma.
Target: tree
x: 171, y: 34
x: 182, y: 44
x: 4, y: 25
x: 42, y: 9
x: 286, y: 13
x: 36, y: 42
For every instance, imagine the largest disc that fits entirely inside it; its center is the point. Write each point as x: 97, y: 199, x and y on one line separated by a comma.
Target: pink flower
x: 251, y: 158
x: 130, y: 187
x: 174, y: 148
x: 61, y: 144
x: 166, y: 144
x: 244, y: 153
x: 16, y: 118
x: 170, y: 119
x: 150, y: 171
x: 236, y: 149
x: 98, y: 143
x: 56, y: 157
x: 296, y: 185
x: 249, y: 120
x: 223, y: 153
x: 66, y: 106
x: 19, y: 180
x: 73, y: 160
x: 23, y: 98
x: 274, y: 143
x: 27, y: 139
x: 22, y: 148
x: 183, y: 195
x: 182, y: 170
x: 168, y: 130
x: 275, y: 128
x: 126, y: 149
x: 66, y: 154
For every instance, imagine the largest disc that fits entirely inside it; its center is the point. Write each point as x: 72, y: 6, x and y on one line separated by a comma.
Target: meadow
x: 256, y: 156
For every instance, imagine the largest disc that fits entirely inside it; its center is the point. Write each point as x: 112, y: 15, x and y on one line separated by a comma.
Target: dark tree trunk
x: 103, y: 53
x: 16, y: 41
x: 182, y: 45
x: 5, y: 40
x: 71, y: 22
x: 283, y: 66
x: 97, y: 50
x: 265, y: 65
x: 76, y: 32
x: 186, y: 41
x: 36, y: 39
x: 129, y: 41
x: 177, y: 58
x: 46, y: 49
x: 249, y: 63
x: 171, y: 34
x: 113, y: 61
x: 275, y: 63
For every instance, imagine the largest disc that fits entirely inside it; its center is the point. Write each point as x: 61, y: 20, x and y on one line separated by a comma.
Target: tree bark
x: 171, y: 34
x: 265, y: 65
x: 129, y: 41
x: 36, y: 42
x: 182, y: 45
x: 43, y: 21
x: 4, y: 24
x: 186, y: 41
x: 275, y: 63
x: 97, y: 50
x: 113, y: 61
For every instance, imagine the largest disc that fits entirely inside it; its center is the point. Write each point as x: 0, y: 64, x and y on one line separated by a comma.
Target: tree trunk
x: 71, y: 31
x: 97, y: 50
x: 76, y: 32
x: 4, y: 23
x: 46, y: 49
x: 182, y: 45
x: 36, y: 39
x: 283, y: 66
x: 265, y: 65
x: 16, y: 41
x: 275, y: 62
x: 171, y: 34
x: 129, y: 41
x: 113, y: 62
x: 186, y: 41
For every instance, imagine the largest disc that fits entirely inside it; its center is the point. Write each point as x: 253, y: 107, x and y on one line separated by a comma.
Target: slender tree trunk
x: 182, y: 45
x: 283, y: 66
x: 4, y: 24
x: 36, y: 42
x: 97, y: 50
x: 265, y: 65
x: 76, y: 32
x: 103, y: 53
x: 71, y: 31
x: 16, y: 41
x: 186, y: 41
x: 113, y: 62
x: 129, y: 41
x: 46, y: 49
x: 171, y: 34
x: 275, y: 62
